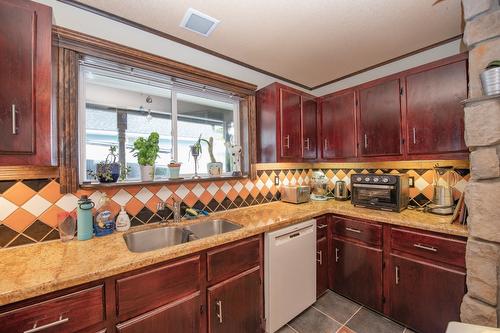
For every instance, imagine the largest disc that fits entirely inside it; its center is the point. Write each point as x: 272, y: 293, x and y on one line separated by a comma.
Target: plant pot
x: 147, y: 173
x: 113, y: 169
x: 173, y: 172
x: 490, y: 79
x: 214, y: 168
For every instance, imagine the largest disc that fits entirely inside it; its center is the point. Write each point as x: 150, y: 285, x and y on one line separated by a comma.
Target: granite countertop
x: 33, y: 270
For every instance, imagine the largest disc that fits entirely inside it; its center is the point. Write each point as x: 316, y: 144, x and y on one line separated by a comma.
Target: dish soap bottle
x: 122, y: 221
x: 104, y: 222
x: 84, y: 218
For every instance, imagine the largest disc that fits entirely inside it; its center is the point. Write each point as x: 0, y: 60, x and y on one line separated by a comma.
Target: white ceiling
x: 310, y: 41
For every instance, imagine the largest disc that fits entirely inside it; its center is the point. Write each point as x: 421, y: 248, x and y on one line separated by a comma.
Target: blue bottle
x: 84, y: 218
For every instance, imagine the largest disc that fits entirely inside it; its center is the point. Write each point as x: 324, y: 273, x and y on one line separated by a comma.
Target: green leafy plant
x: 146, y: 150
x: 107, y: 171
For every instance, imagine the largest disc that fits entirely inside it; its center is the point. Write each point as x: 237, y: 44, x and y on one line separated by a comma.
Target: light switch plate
x: 276, y: 180
x: 411, y: 181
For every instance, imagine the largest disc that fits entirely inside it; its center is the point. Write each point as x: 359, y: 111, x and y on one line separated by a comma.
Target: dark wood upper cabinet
x: 338, y: 125
x: 25, y: 83
x: 435, y: 117
x: 290, y: 121
x: 380, y: 119
x: 309, y: 125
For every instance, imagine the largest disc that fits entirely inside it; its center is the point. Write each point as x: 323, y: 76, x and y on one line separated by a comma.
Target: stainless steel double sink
x: 153, y: 239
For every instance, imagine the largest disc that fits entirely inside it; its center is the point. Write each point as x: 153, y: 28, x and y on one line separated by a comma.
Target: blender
x: 443, y: 181
x: 319, y: 186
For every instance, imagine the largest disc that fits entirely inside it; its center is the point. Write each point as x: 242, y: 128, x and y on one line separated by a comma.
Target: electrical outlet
x: 276, y: 180
x: 411, y: 181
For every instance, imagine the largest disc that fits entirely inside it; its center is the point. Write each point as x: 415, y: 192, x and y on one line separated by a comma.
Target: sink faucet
x: 175, y: 207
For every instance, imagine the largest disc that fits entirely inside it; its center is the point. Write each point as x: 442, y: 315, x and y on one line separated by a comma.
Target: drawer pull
x: 320, y: 260
x: 287, y: 142
x: 43, y: 327
x: 307, y: 144
x: 322, y: 226
x: 353, y: 230
x: 326, y: 144
x: 219, y: 310
x: 397, y: 275
x: 425, y: 247
x: 336, y: 255
x: 14, y: 113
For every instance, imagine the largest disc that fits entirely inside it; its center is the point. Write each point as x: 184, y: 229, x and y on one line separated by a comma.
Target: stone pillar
x: 482, y: 195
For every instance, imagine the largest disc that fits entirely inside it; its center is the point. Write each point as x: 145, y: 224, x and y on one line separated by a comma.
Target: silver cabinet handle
x: 326, y: 144
x: 219, y: 310
x: 14, y: 112
x: 353, y: 230
x: 322, y: 226
x: 414, y: 136
x: 320, y: 260
x: 43, y: 327
x: 337, y: 255
x: 287, y: 142
x: 397, y: 274
x: 425, y: 247
x: 308, y: 144
x: 366, y: 141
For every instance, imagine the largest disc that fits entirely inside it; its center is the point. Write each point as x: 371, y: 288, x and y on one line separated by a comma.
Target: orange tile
x: 154, y: 188
x: 232, y: 194
x: 428, y: 192
x: 111, y: 191
x: 133, y: 190
x: 206, y: 197
x: 413, y: 192
x: 244, y: 193
x: 19, y: 220
x: 273, y: 190
x: 264, y: 191
x: 254, y: 192
x: 114, y: 208
x: 152, y: 203
x: 81, y: 192
x: 344, y: 329
x: 190, y: 185
x: 19, y: 193
x: 50, y: 216
x: 190, y: 199
x: 219, y: 196
x: 51, y: 192
x: 429, y: 176
x: 264, y: 177
x: 133, y: 206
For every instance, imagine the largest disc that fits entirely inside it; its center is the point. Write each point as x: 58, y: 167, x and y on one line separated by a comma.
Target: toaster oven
x: 385, y: 192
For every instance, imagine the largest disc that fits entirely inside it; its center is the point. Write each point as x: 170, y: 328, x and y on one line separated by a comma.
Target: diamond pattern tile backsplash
x: 29, y: 208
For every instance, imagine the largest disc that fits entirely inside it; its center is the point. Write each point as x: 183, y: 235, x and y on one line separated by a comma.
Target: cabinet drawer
x: 446, y: 250
x: 149, y: 290
x: 69, y: 313
x: 366, y: 232
x: 321, y: 226
x: 233, y: 259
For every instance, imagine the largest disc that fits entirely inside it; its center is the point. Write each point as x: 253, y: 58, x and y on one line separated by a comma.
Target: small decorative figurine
x: 235, y: 151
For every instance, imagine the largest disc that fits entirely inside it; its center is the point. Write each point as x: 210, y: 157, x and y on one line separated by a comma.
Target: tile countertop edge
x: 269, y: 218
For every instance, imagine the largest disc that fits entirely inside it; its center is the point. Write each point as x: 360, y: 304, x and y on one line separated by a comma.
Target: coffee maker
x: 444, y: 179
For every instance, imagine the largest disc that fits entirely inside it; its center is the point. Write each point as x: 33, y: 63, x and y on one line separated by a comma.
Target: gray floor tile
x: 313, y: 321
x: 366, y: 321
x: 336, y: 306
x: 285, y: 329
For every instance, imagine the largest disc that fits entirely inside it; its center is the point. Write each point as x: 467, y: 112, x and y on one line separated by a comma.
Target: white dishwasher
x: 289, y: 273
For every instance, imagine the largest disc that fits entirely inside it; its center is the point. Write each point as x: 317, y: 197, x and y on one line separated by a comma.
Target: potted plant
x: 146, y: 151
x: 107, y: 171
x: 214, y: 168
x: 490, y: 78
x: 196, y: 152
x: 173, y: 169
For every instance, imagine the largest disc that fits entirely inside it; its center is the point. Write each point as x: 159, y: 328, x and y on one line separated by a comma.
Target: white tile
x: 249, y: 186
x: 300, y: 181
x: 36, y: 205
x: 164, y: 193
x: 122, y: 197
x: 460, y: 186
x: 68, y: 202
x: 285, y: 182
x: 259, y: 184
x: 421, y: 183
x: 182, y: 191
x: 144, y: 195
x: 225, y: 187
x: 238, y: 186
x: 96, y: 198
x: 293, y: 181
x: 6, y: 208
x: 212, y: 188
x: 269, y: 183
x: 198, y: 190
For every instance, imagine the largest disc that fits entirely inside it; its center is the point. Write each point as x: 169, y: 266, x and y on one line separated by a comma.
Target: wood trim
x: 28, y: 172
x: 89, y: 45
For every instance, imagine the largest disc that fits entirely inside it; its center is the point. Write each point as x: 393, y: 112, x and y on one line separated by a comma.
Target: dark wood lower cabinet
x: 179, y: 316
x: 235, y: 305
x: 321, y: 266
x: 356, y: 272
x: 424, y: 296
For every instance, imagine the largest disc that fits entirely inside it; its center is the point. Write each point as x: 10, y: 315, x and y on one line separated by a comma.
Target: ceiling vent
x: 198, y: 22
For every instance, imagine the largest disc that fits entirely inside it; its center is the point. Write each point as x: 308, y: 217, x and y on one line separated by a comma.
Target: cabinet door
x: 338, y: 126
x: 291, y: 145
x: 235, y: 305
x: 321, y: 266
x: 380, y: 119
x: 309, y: 125
x: 357, y: 272
x: 180, y: 316
x: 25, y: 67
x: 435, y: 116
x: 424, y: 296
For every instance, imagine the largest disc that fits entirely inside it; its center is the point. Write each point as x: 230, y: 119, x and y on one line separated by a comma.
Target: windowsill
x: 165, y: 181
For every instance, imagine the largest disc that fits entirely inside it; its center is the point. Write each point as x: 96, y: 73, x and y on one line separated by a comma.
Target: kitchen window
x: 118, y: 104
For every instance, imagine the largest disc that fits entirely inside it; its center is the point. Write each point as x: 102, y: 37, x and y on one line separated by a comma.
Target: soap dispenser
x: 122, y: 221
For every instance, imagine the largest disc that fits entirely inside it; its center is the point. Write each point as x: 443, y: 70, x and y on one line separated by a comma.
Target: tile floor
x: 333, y: 313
